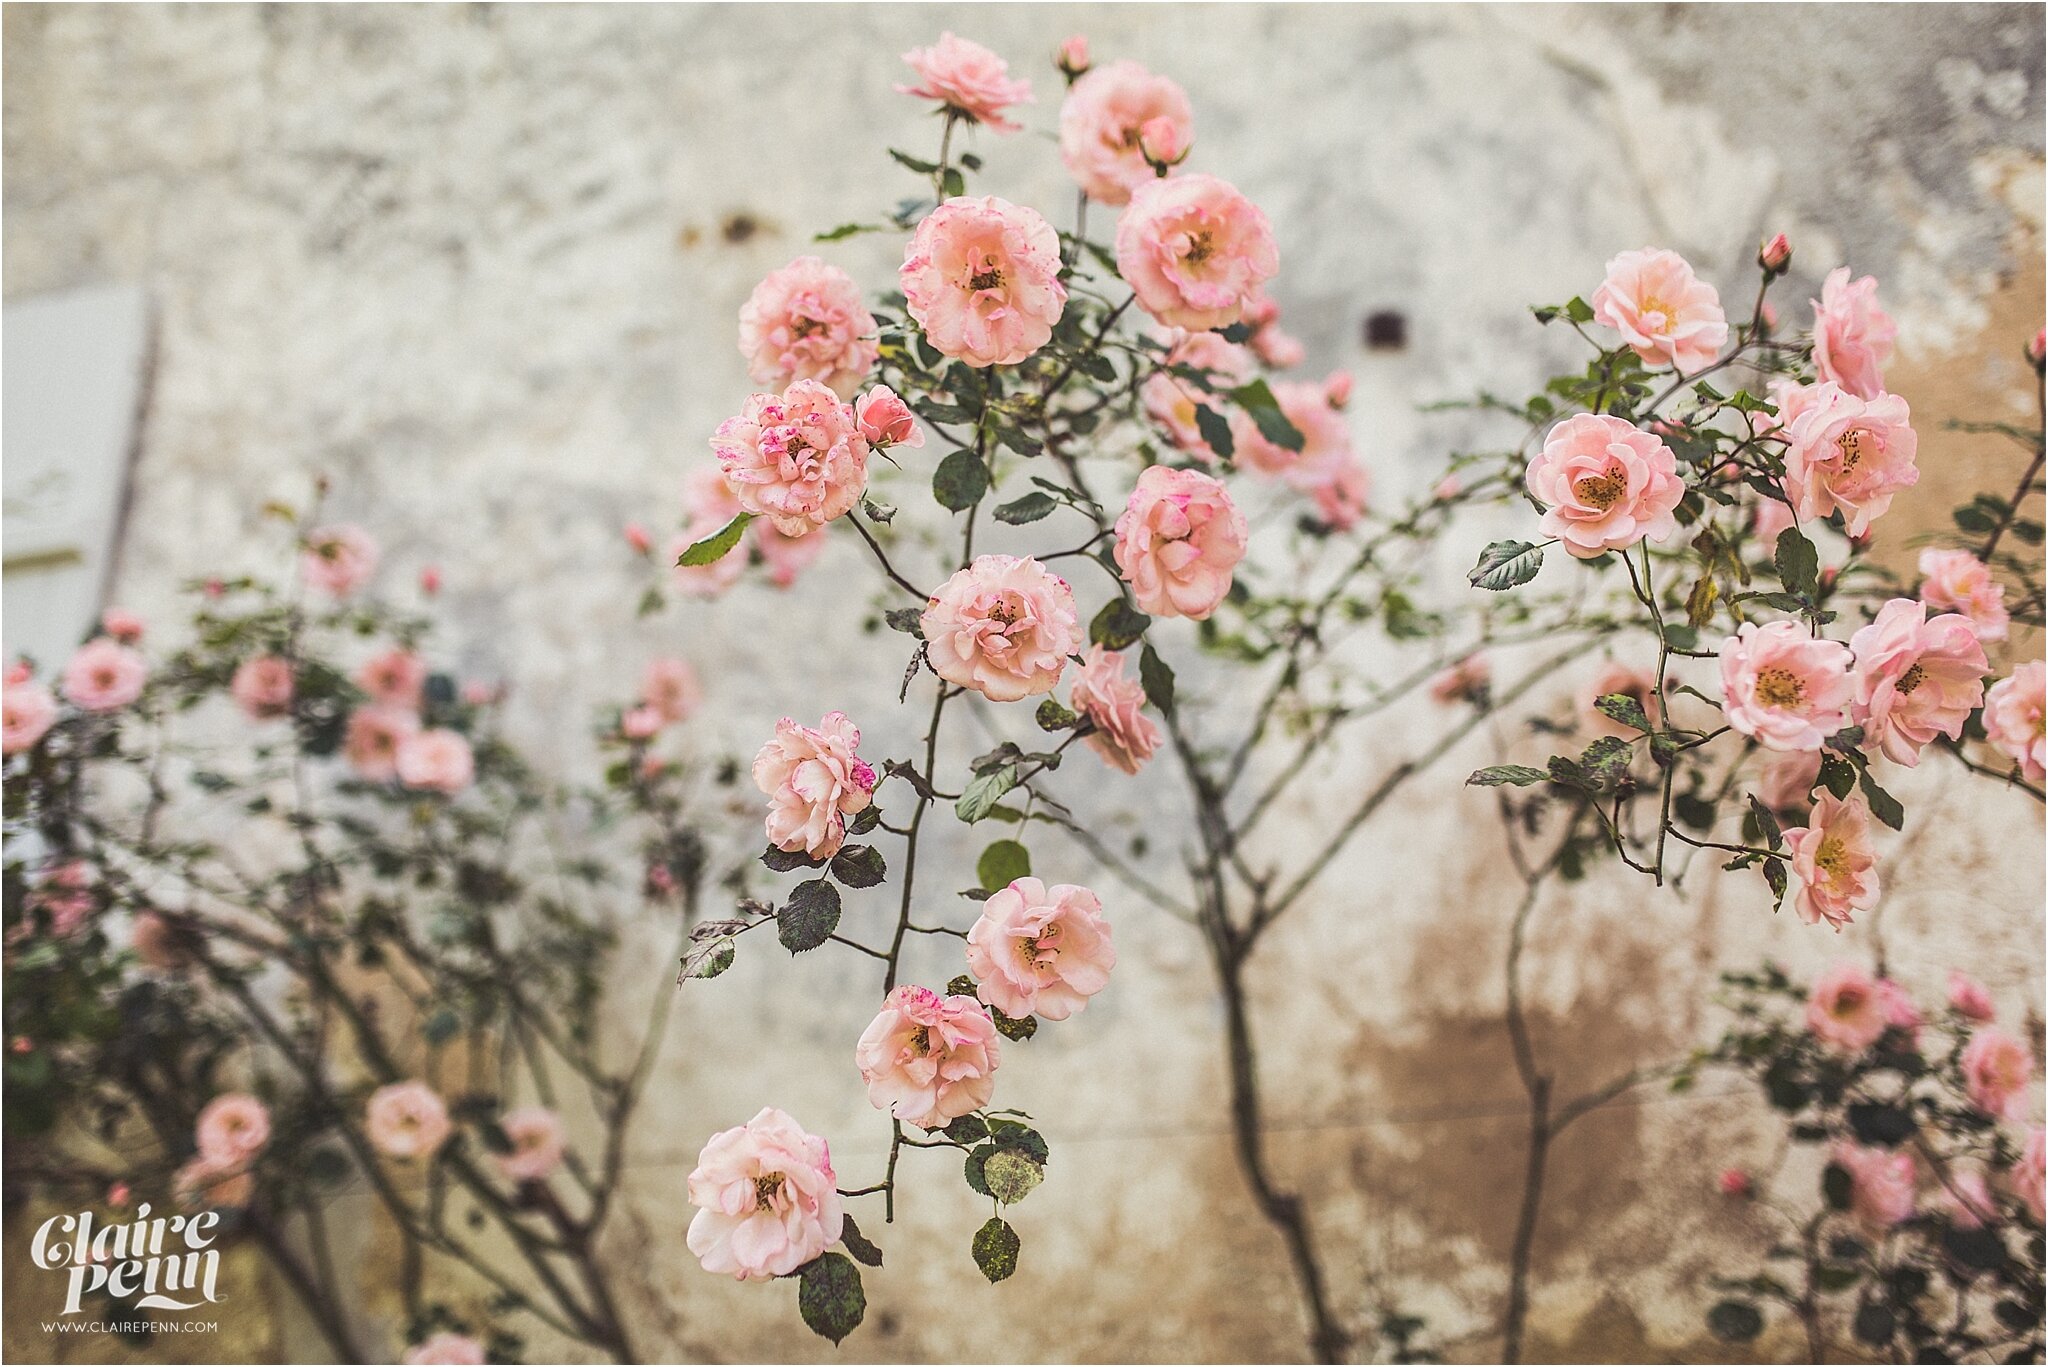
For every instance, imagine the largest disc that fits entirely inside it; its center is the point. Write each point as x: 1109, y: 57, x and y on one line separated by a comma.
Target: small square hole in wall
x: 1386, y: 330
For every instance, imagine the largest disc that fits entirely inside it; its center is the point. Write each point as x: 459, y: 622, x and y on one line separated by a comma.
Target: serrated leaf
x: 717, y: 545
x: 1029, y: 508
x: 1002, y: 864
x: 1011, y: 1176
x: 858, y: 1244
x: 1605, y: 761
x: 1624, y: 708
x: 1157, y: 679
x: 1506, y: 564
x: 711, y: 949
x: 1117, y: 625
x: 830, y: 1297
x: 996, y: 1246
x: 1257, y: 400
x: 984, y: 793
x: 1515, y: 775
x: 859, y: 866
x: 960, y: 481
x: 1797, y: 562
x: 784, y: 861
x: 969, y: 1128
x: 809, y: 917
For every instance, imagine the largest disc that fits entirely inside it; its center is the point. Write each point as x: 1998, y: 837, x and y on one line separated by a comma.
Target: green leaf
x: 1624, y: 708
x: 1157, y: 678
x: 1215, y: 430
x: 809, y: 917
x: 1798, y: 563
x: 1117, y: 625
x: 1838, y: 776
x: 923, y: 168
x: 960, y: 481
x: 716, y: 545
x: 1883, y: 805
x: 1052, y: 716
x: 830, y: 1296
x: 783, y: 861
x: 711, y: 949
x: 995, y: 1249
x: 1013, y: 1027
x: 1578, y: 310
x: 1002, y: 864
x: 858, y: 1244
x: 1029, y: 508
x: 969, y: 1128
x: 1517, y: 775
x: 1606, y: 760
x: 1505, y: 564
x: 984, y: 793
x: 846, y: 230
x: 1257, y: 400
x: 859, y: 866
x: 1735, y: 1321
x: 1011, y: 1176
x: 1699, y: 604
x: 908, y: 620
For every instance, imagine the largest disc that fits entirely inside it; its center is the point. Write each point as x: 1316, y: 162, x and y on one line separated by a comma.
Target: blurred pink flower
x: 338, y: 560
x: 373, y: 739
x: 27, y: 712
x: 104, y: 675
x: 232, y: 1129
x: 1466, y: 681
x: 1852, y: 336
x: 1957, y: 581
x: 1997, y: 1069
x: 122, y: 625
x: 394, y: 678
x: 446, y: 1347
x: 1881, y: 1183
x: 1115, y: 702
x: 537, y: 1143
x: 436, y: 760
x: 263, y: 686
x: 2014, y: 711
x: 407, y: 1120
x: 1103, y: 123
x: 1843, y: 1008
x: 670, y: 687
x: 1969, y: 998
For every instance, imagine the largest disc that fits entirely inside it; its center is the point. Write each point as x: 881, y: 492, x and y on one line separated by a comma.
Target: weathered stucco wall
x: 481, y: 265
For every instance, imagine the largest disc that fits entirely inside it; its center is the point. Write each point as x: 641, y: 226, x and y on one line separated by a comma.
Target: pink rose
x: 430, y: 580
x: 885, y: 420
x: 767, y: 1199
x: 1194, y: 250
x: 807, y: 322
x: 1608, y: 484
x: 1269, y: 341
x: 1163, y: 143
x: 1899, y: 1011
x: 968, y: 80
x: 1770, y: 519
x: 2013, y: 718
x: 119, y: 1195
x: 27, y: 712
x: 338, y: 560
x: 637, y: 537
x: 1736, y: 1183
x: 64, y: 896
x: 1115, y: 703
x: 1040, y: 951
x: 670, y: 687
x: 981, y: 277
x: 1997, y: 1069
x: 1784, y: 688
x: 1469, y: 680
x: 1666, y: 314
x: 263, y: 686
x: 537, y: 1143
x: 20, y: 672
x: 1851, y: 454
x: 233, y: 1128
x: 1170, y: 400
x: 1956, y: 581
x: 1967, y: 1197
x: 1915, y: 678
x: 1341, y: 488
x: 435, y: 760
x: 814, y: 781
x: 123, y: 626
x: 394, y: 678
x: 406, y: 1120
x: 446, y: 1347
x: 1326, y: 437
x: 1072, y: 56
x: 799, y: 460
x: 786, y: 556
x: 1852, y: 336
x: 104, y: 675
x: 1337, y: 387
x: 1178, y: 541
x: 1844, y: 1010
x: 2029, y: 1177
x: 1881, y: 1183
x: 1103, y: 122
x: 373, y: 739
x: 204, y: 1184
x: 641, y: 723
x: 1786, y: 784
x: 1834, y: 861
x: 929, y: 1059
x: 1969, y: 998
x: 1616, y: 677
x: 1004, y: 627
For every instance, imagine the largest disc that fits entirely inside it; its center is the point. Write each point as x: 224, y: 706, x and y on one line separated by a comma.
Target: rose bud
x: 1161, y: 140
x: 1337, y: 388
x: 637, y: 538
x: 2038, y: 348
x: 1072, y: 57
x: 1734, y: 1181
x: 430, y: 580
x: 1775, y: 255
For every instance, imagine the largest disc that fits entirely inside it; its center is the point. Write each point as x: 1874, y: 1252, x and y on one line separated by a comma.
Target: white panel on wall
x: 75, y: 373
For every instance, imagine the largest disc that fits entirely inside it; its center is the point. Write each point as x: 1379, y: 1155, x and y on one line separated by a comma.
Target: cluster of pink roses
x: 1849, y: 1011
x: 669, y: 693
x: 232, y: 1130
x: 409, y: 1121
x: 386, y: 740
